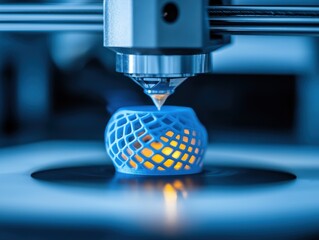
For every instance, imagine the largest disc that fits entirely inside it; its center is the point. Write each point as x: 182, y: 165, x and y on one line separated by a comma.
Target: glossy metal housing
x: 163, y: 65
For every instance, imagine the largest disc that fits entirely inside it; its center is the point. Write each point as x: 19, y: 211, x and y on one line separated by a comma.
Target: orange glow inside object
x: 156, y: 145
x: 147, y: 152
x: 167, y: 150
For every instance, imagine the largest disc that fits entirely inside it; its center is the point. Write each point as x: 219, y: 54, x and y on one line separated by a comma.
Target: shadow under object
x: 212, y: 177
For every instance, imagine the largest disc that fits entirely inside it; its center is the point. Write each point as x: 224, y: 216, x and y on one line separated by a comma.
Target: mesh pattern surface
x: 142, y: 140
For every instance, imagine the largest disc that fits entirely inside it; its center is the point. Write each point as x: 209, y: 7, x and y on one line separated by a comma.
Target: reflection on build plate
x: 172, y: 188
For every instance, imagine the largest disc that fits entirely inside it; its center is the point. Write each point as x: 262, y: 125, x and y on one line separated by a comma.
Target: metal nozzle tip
x: 159, y: 100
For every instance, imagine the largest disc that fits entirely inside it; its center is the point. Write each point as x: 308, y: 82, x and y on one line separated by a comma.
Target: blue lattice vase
x: 144, y: 141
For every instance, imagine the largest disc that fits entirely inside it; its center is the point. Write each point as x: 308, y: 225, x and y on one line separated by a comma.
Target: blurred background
x: 63, y: 86
x: 264, y: 89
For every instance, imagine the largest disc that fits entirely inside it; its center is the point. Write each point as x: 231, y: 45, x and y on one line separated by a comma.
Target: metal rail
x: 264, y: 20
x: 268, y: 11
x: 51, y: 17
x: 223, y: 19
